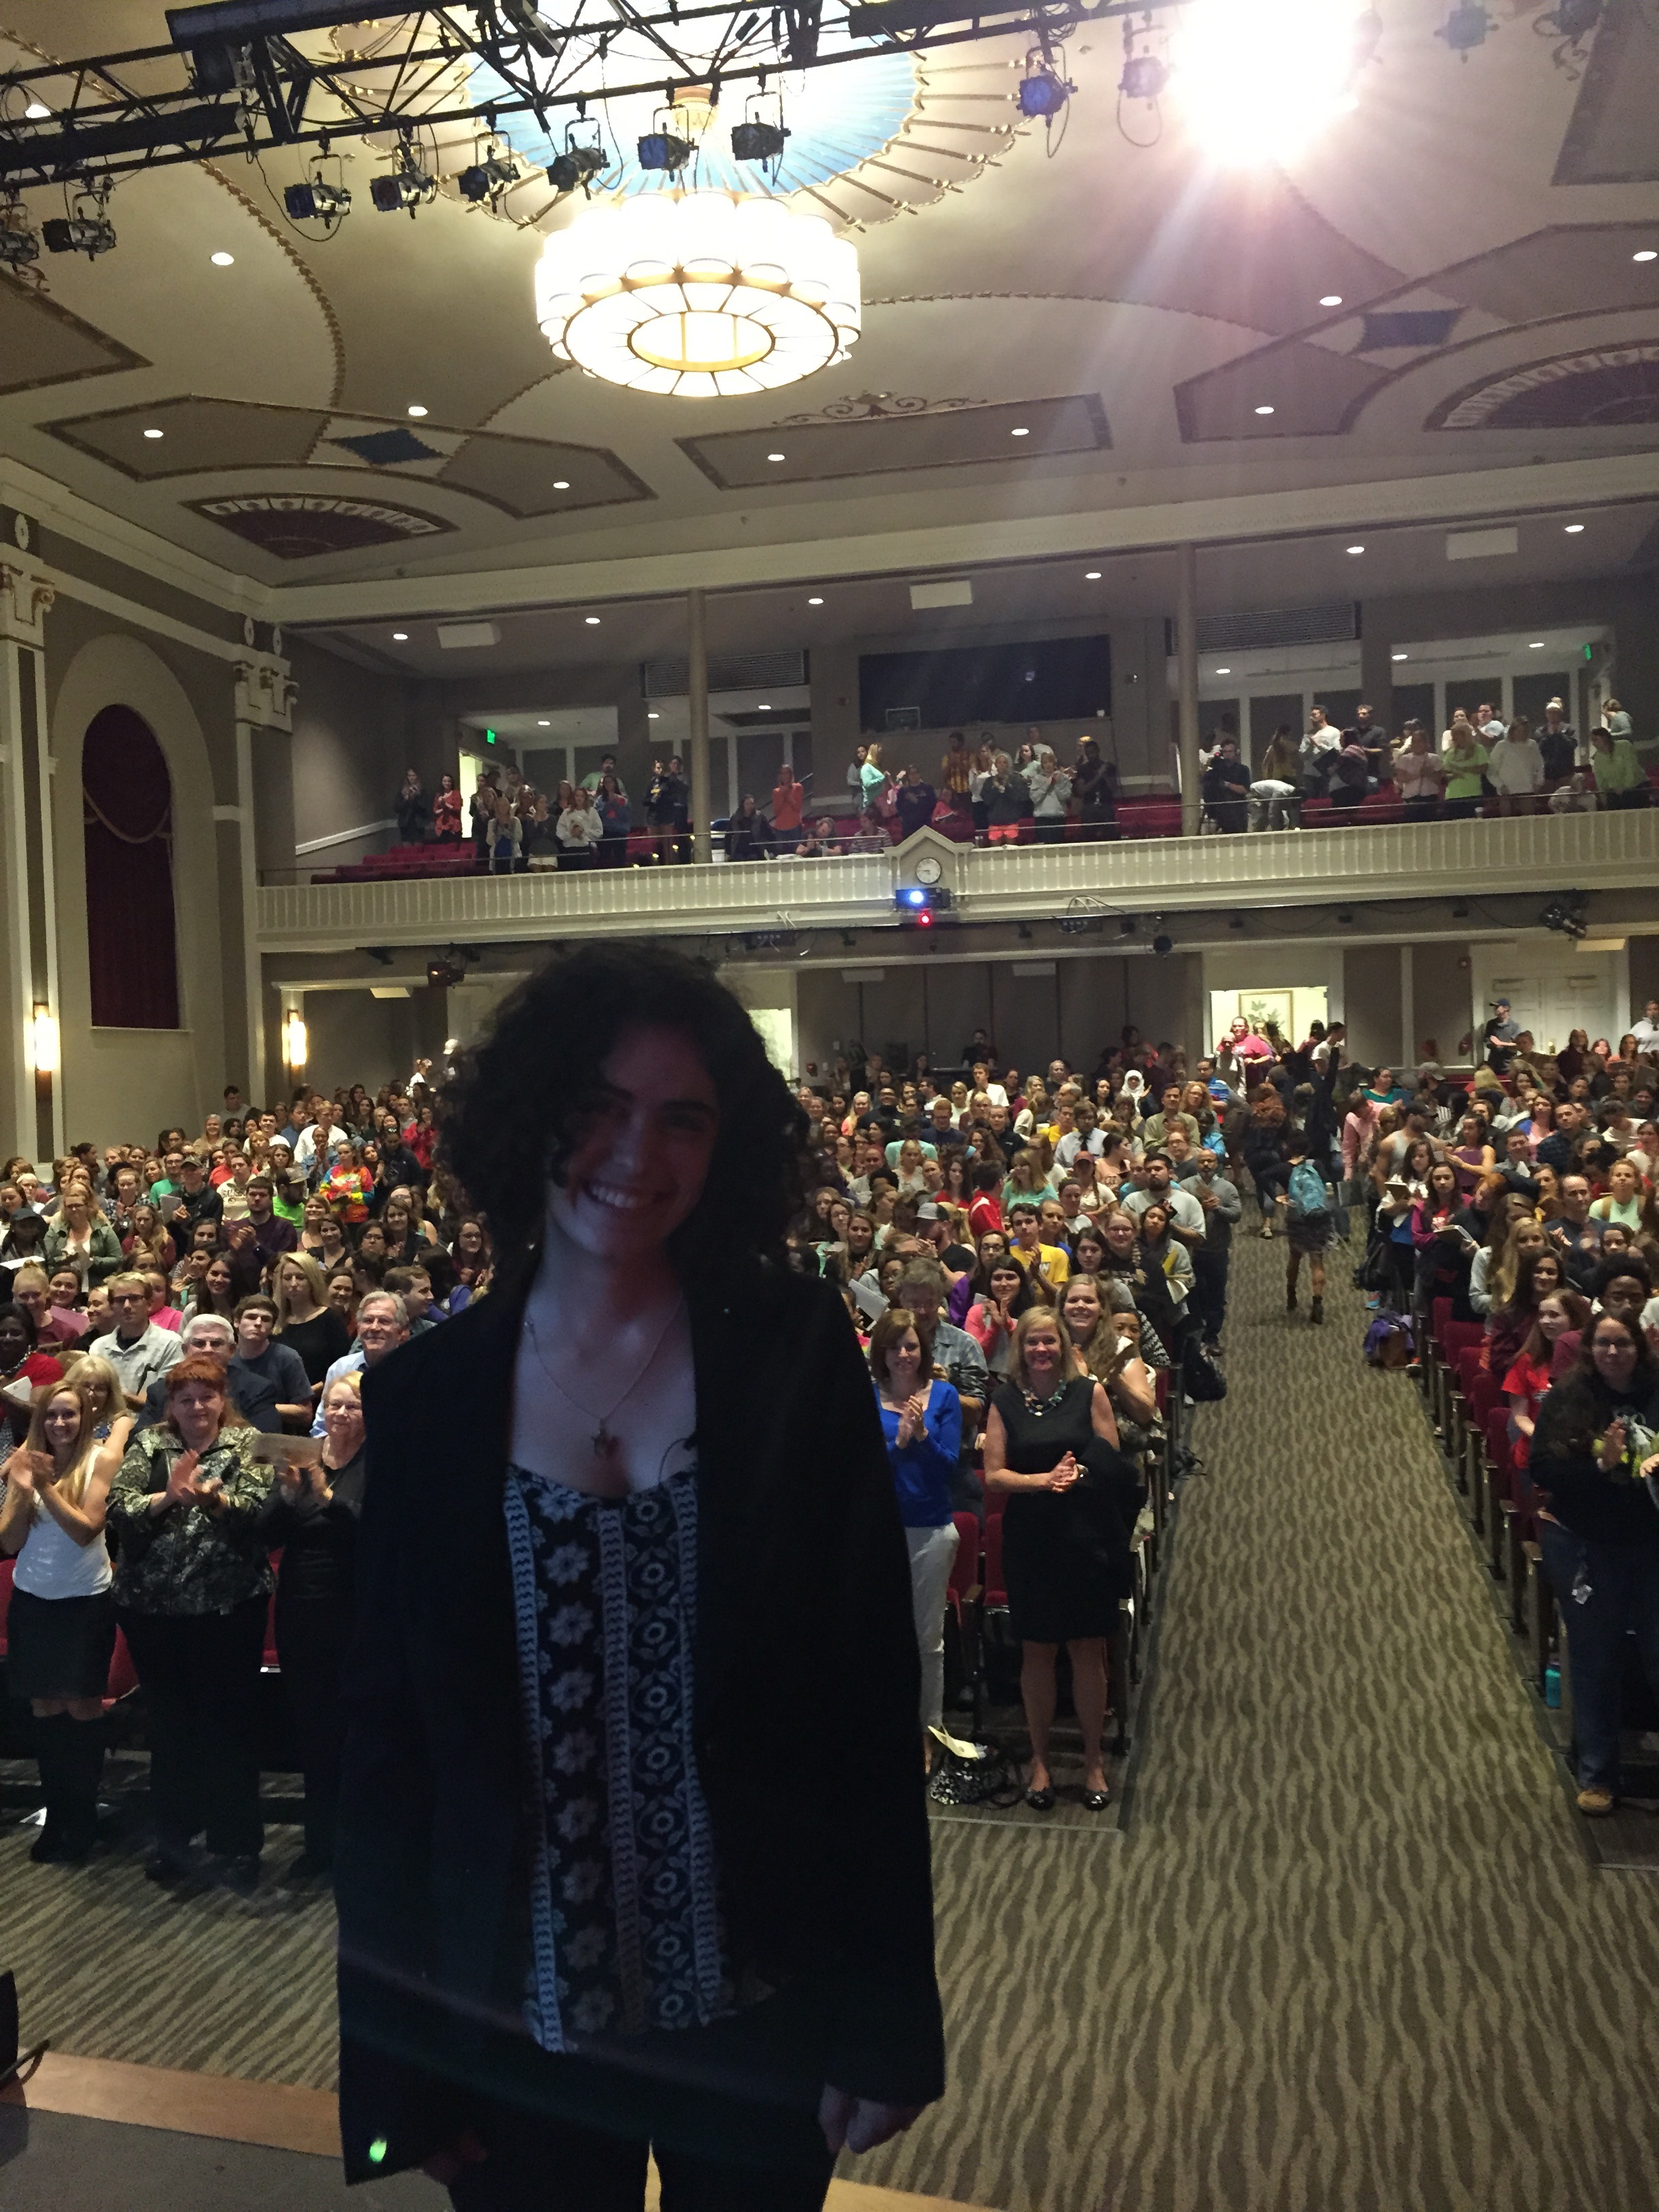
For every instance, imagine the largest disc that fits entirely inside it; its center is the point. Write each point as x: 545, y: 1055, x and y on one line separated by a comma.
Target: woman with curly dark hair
x: 628, y: 1521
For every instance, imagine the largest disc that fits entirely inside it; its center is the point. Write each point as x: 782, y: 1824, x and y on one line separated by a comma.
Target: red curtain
x: 127, y: 797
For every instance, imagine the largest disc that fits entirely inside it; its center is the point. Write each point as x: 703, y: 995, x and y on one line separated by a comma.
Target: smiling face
x: 903, y: 1365
x: 1042, y: 1354
x: 1612, y: 1348
x: 1081, y: 1309
x: 641, y: 1149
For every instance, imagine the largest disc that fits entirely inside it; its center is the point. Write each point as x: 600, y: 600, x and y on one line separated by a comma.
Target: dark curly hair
x: 507, y: 1114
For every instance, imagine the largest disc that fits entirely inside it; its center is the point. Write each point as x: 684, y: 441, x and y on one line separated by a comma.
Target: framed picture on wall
x: 1263, y: 1008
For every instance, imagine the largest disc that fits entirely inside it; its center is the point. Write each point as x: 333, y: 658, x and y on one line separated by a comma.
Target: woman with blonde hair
x: 1103, y: 1349
x: 306, y: 1321
x: 111, y: 1423
x: 62, y: 1623
x: 1051, y: 1444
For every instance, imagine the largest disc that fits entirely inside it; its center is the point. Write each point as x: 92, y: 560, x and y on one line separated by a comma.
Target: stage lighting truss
x: 578, y: 164
x: 483, y: 182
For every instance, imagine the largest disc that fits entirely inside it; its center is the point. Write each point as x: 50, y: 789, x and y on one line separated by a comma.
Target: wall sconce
x: 43, y: 1040
x: 295, y: 1043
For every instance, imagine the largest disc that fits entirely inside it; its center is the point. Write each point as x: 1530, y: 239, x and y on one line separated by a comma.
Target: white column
x: 1407, y: 1009
x: 29, y: 964
x: 264, y: 701
x: 696, y: 623
x: 1191, y: 799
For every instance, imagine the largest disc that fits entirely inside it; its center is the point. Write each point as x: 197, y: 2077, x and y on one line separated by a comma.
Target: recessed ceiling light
x: 1330, y: 298
x: 1019, y: 434
x: 763, y: 710
x: 1223, y: 672
x: 775, y: 456
x: 1400, y: 656
x: 560, y: 483
x: 544, y: 726
x: 1355, y: 548
x: 593, y: 621
x: 417, y: 410
x: 652, y: 715
x: 1536, y: 646
x: 400, y: 637
x: 37, y: 110
x: 1573, y: 528
x: 155, y: 434
x: 1264, y: 410
x: 1091, y: 575
x: 222, y: 260
x: 815, y: 603
x: 1648, y: 253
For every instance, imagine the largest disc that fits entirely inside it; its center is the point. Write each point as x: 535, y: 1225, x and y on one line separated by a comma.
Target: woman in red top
x: 446, y: 812
x: 985, y: 1208
x: 1528, y: 1376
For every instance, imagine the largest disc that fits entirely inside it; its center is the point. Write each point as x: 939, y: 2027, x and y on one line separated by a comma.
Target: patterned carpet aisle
x: 1351, y: 1953
x: 1350, y: 1956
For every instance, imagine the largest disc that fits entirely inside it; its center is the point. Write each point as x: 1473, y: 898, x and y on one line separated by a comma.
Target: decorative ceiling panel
x: 884, y: 436
x: 529, y: 476
x: 1611, y: 139
x: 1286, y: 391
x: 195, y: 435
x: 41, y: 342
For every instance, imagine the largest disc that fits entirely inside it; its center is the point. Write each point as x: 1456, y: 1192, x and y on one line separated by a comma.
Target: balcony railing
x: 1421, y: 860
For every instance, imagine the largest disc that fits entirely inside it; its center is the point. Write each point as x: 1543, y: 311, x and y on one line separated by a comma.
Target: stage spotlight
x: 574, y: 167
x: 1145, y: 76
x: 922, y: 903
x: 1042, y: 94
x: 661, y: 150
x: 757, y: 142
x: 19, y: 246
x: 1565, y: 914
x: 1161, y: 944
x: 405, y: 187
x: 487, y: 180
x: 1465, y: 27
x: 91, y: 234
x: 316, y: 200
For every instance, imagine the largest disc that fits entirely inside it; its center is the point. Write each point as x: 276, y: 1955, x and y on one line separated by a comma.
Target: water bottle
x: 1552, y: 1686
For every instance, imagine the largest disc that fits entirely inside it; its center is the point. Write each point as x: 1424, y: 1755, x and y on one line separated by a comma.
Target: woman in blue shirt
x: 921, y: 1420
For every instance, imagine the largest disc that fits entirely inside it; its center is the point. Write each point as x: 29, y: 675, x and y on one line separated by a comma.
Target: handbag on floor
x: 965, y: 1773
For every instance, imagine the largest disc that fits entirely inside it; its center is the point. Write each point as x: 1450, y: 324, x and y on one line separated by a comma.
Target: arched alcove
x: 131, y: 934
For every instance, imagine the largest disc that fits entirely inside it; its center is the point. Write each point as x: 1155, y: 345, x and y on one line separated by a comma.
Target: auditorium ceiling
x: 1446, y: 276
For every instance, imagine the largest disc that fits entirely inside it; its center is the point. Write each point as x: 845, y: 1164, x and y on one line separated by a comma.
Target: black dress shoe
x: 1040, y: 1800
x: 241, y: 1875
x: 1096, y: 1800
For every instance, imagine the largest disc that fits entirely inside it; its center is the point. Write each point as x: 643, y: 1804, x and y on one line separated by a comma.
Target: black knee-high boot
x: 83, y: 1767
x: 53, y: 1756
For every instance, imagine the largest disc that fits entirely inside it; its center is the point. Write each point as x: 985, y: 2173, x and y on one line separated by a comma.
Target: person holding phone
x: 192, y: 1585
x: 315, y: 1502
x: 61, y: 1626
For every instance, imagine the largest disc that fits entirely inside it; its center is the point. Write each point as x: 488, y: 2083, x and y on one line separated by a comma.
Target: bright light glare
x: 1258, y: 79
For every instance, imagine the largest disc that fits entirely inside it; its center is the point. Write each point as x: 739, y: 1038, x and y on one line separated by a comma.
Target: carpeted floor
x: 1350, y: 1956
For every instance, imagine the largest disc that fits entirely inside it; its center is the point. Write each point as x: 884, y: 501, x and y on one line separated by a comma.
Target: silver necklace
x: 606, y: 1446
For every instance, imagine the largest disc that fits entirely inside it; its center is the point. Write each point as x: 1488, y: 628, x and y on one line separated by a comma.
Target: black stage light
x: 1162, y: 944
x: 1465, y: 27
x: 404, y: 187
x: 91, y: 234
x: 574, y: 167
x: 661, y: 150
x: 769, y: 940
x: 757, y: 142
x: 485, y: 180
x: 315, y: 200
x: 19, y: 246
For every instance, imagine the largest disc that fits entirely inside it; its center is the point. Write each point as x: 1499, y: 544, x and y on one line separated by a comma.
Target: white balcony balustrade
x: 1420, y: 859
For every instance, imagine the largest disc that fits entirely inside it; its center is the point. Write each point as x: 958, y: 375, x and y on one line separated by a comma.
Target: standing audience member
x: 922, y: 1421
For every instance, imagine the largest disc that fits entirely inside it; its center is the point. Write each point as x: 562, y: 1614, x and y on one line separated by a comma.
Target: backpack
x: 1307, y: 1195
x: 1390, y: 1342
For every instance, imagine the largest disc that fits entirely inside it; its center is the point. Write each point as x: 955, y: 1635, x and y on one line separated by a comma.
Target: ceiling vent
x: 453, y: 636
x: 1336, y: 624
x: 737, y: 672
x: 949, y: 592
x: 1481, y: 545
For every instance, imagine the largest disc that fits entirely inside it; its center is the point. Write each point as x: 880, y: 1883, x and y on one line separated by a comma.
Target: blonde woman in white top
x: 60, y: 1629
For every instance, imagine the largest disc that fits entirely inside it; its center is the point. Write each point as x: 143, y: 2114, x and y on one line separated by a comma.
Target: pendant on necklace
x: 606, y: 1446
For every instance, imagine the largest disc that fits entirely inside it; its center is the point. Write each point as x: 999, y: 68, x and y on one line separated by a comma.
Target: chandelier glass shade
x: 702, y: 295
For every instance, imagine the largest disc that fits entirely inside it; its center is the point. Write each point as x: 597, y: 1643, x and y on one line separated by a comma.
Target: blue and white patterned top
x: 626, y: 1928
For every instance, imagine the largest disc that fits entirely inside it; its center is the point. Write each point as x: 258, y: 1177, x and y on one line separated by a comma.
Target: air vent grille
x: 1338, y: 622
x: 739, y: 671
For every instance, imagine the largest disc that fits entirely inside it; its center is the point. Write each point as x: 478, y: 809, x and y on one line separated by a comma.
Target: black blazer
x: 807, y: 1688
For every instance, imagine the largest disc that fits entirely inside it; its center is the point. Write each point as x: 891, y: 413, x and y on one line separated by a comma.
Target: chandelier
x: 703, y: 294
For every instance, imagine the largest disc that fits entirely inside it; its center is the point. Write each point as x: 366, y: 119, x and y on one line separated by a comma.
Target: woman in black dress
x: 1051, y: 1441
x: 633, y: 1849
x: 312, y: 1513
